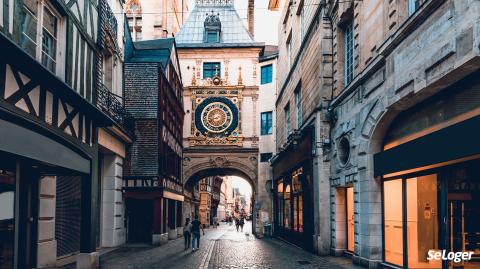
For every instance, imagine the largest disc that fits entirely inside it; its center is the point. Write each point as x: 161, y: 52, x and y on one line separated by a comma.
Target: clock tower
x: 219, y: 62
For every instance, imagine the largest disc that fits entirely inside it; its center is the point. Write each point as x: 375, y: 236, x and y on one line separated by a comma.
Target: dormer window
x: 213, y: 28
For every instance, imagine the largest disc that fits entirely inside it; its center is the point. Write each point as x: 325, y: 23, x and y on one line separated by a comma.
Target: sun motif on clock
x: 216, y: 116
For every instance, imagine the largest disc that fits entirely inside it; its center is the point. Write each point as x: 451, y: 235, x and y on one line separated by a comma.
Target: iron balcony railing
x: 112, y: 105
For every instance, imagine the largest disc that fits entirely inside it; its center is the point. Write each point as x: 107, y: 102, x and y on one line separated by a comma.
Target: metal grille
x: 68, y: 214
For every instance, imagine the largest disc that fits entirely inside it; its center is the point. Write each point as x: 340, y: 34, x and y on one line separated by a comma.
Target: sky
x: 242, y: 184
x: 266, y: 21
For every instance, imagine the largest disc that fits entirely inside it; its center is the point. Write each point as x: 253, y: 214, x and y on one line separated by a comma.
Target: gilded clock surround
x: 217, y: 115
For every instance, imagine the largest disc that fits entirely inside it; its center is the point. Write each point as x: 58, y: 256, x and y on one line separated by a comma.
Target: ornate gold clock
x: 216, y: 117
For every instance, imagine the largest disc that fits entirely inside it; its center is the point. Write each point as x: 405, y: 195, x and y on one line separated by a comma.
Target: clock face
x: 216, y: 116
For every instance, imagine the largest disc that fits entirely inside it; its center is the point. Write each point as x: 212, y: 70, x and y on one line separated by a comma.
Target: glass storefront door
x: 463, y: 217
x: 7, y: 218
x: 350, y: 220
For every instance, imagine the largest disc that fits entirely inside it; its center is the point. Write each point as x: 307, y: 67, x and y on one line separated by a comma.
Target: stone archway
x: 201, y: 163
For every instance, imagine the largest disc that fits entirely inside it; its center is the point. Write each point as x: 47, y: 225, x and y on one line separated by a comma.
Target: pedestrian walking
x: 196, y: 226
x: 187, y: 233
x: 237, y: 223
x: 215, y: 222
x: 242, y: 222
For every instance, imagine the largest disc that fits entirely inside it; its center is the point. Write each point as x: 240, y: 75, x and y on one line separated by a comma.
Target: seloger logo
x: 449, y: 256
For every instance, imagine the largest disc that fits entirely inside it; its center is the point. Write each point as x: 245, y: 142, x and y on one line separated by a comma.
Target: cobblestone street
x: 222, y: 248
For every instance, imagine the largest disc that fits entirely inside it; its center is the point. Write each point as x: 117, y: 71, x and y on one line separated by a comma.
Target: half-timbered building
x: 62, y: 129
x: 152, y: 185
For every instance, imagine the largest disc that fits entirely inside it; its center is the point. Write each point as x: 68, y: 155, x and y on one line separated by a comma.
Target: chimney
x: 250, y: 16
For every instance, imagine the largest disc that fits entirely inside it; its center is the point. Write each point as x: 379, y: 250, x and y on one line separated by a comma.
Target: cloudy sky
x: 266, y: 22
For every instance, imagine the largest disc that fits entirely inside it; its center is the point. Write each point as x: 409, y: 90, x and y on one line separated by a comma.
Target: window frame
x: 288, y: 120
x: 266, y: 127
x: 60, y: 39
x: 213, y: 64
x: 298, y: 107
x: 267, y: 76
x: 348, y: 53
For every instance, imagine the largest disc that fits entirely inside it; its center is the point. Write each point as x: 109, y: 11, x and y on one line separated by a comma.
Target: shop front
x: 47, y: 132
x: 154, y: 210
x: 292, y: 190
x: 430, y: 168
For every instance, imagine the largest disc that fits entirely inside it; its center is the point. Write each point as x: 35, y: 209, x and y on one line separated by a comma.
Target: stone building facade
x: 405, y: 80
x: 154, y: 19
x: 300, y: 169
x: 268, y: 64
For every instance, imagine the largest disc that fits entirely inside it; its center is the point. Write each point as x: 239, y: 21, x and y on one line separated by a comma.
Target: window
x: 265, y: 157
x: 280, y: 203
x: 7, y: 218
x: 413, y: 5
x: 350, y: 220
x: 108, y: 71
x: 138, y: 35
x: 419, y: 227
x: 266, y: 123
x: 289, y: 51
x: 348, y: 53
x: 288, y: 124
x: 302, y: 24
x: 267, y: 72
x: 393, y: 221
x: 298, y: 107
x: 297, y: 198
x: 213, y: 37
x: 211, y: 69
x: 46, y: 31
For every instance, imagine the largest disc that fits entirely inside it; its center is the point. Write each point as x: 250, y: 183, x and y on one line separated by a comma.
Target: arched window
x: 213, y: 27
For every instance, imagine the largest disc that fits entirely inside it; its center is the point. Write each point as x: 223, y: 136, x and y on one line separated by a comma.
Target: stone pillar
x: 46, y: 244
x: 321, y: 192
x: 113, y: 230
x: 157, y: 238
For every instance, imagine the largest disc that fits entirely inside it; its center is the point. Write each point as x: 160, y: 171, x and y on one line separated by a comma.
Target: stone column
x: 113, y: 230
x: 321, y: 192
x: 46, y: 244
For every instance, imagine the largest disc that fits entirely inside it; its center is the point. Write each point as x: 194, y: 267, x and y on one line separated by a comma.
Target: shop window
x: 266, y: 74
x: 210, y: 70
x: 286, y: 205
x: 266, y: 123
x: 393, y: 221
x: 280, y: 203
x: 422, y: 221
x: 7, y: 219
x: 297, y: 197
x: 39, y: 38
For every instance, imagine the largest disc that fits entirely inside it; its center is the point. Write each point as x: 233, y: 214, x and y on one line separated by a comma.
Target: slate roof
x: 233, y: 31
x: 153, y: 51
